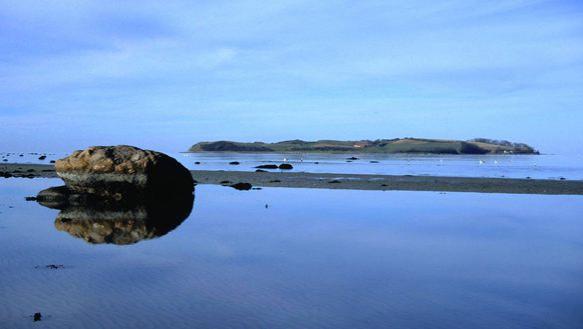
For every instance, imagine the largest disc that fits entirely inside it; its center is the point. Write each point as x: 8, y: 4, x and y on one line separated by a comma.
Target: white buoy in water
x: 482, y: 162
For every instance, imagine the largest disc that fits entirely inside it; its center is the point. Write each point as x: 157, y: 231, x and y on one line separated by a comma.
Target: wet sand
x: 349, y: 181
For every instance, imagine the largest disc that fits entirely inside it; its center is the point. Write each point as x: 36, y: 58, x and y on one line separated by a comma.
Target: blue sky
x: 166, y: 74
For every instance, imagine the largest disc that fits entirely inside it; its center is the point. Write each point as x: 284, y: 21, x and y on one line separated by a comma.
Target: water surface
x: 310, y: 259
x: 546, y: 166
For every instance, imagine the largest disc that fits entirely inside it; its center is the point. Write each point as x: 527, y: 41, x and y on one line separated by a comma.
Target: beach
x: 351, y: 181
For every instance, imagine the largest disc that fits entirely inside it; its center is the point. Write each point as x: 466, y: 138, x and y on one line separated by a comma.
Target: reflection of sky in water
x: 312, y: 259
x: 517, y: 166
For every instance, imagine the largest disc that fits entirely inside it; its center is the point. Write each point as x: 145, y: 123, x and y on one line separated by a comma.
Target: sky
x: 164, y: 75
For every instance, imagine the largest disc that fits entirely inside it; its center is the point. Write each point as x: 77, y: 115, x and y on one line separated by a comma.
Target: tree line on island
x: 396, y: 145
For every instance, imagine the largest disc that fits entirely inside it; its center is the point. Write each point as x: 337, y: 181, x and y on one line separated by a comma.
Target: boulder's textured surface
x: 114, y: 170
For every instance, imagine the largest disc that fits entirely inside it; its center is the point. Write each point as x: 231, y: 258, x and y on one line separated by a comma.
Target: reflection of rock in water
x: 99, y: 220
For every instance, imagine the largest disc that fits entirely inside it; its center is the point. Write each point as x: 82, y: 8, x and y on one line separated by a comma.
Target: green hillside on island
x: 397, y: 145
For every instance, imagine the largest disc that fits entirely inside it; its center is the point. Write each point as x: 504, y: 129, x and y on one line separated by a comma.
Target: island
x: 396, y: 145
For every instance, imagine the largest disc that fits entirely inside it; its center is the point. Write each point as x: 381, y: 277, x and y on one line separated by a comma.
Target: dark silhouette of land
x: 397, y: 145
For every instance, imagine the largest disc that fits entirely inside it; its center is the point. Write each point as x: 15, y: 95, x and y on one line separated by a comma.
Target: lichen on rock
x: 115, y: 170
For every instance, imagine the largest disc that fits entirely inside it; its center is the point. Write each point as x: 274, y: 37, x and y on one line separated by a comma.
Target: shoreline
x: 350, y: 181
x: 361, y: 153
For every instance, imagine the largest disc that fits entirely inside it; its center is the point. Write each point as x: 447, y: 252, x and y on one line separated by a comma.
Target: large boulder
x: 121, y: 170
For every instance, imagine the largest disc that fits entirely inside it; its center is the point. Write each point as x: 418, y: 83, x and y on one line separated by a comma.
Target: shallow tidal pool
x: 297, y: 258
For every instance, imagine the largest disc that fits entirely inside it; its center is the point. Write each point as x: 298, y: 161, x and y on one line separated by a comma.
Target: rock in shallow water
x: 242, y: 186
x: 286, y: 166
x: 267, y: 166
x: 60, y: 197
x: 118, y: 170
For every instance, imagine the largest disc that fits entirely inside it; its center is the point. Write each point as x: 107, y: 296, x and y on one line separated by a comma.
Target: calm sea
x: 514, y: 166
x: 298, y: 258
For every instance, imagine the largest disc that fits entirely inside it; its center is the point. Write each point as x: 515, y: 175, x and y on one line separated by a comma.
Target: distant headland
x: 396, y: 145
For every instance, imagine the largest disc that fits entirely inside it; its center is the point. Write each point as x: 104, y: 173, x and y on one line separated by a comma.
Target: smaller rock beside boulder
x: 267, y: 166
x: 286, y: 166
x: 242, y: 186
x: 59, y: 197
